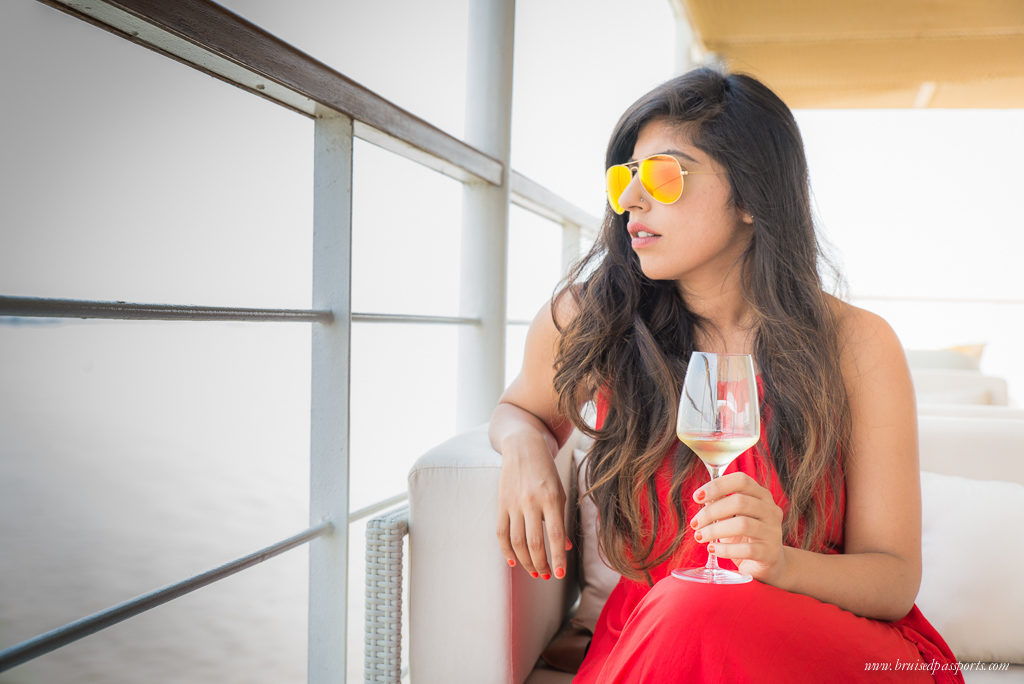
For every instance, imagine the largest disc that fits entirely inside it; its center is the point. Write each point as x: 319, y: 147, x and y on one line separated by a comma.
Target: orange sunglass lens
x: 617, y: 178
x: 662, y: 178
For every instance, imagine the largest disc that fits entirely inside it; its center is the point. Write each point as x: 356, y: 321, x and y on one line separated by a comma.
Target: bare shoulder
x: 864, y: 336
x: 549, y: 323
x: 565, y: 305
x: 869, y: 347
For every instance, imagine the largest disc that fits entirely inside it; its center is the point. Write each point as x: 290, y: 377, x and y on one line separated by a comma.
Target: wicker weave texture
x: 384, y: 537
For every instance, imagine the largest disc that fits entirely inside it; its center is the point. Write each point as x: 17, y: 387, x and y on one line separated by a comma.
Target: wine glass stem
x: 712, y: 564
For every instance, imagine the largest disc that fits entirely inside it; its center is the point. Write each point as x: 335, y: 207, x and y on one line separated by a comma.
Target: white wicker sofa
x: 473, y: 619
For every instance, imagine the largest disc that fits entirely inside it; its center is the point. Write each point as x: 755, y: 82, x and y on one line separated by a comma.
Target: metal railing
x: 210, y: 38
x: 77, y: 308
x: 71, y: 632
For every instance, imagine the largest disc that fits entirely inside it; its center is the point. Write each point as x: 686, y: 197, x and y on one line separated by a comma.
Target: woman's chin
x: 655, y: 271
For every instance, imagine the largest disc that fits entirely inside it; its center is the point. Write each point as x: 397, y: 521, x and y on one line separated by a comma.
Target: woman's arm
x: 879, y: 573
x: 528, y: 430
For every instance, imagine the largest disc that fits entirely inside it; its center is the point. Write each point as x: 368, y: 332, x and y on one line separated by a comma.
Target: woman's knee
x: 709, y: 605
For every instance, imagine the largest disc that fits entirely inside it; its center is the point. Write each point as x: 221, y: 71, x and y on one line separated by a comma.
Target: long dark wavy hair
x: 632, y: 336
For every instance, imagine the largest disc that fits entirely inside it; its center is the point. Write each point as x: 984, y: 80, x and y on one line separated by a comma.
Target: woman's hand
x: 530, y: 499
x: 746, y: 522
x: 527, y: 428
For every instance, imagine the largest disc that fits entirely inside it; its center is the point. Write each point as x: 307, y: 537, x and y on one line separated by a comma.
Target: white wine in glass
x: 719, y: 418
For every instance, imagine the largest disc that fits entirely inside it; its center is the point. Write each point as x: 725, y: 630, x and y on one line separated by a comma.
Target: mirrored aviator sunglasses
x: 660, y: 175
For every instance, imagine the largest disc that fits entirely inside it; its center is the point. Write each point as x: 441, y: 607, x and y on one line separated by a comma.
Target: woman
x: 711, y: 247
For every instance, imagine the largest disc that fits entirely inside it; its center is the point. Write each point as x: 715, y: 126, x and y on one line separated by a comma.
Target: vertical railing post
x: 485, y: 211
x: 329, y: 416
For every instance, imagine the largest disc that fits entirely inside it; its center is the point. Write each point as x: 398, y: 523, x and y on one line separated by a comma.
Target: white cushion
x: 973, y: 446
x: 958, y: 395
x: 970, y: 411
x: 958, y: 358
x: 597, y: 580
x: 973, y: 562
x: 471, y: 617
x: 957, y: 386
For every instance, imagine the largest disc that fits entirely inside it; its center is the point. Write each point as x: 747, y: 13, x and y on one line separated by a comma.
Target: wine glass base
x: 716, y: 576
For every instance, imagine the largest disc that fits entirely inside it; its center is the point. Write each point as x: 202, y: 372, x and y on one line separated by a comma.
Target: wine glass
x: 719, y: 419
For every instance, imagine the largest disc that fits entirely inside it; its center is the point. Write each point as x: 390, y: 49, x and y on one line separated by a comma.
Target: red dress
x: 679, y: 631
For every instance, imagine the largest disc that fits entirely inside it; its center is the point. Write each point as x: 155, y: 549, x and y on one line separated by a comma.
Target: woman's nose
x: 633, y: 197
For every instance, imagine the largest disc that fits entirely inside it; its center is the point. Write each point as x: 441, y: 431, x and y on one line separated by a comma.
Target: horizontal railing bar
x: 77, y: 308
x: 211, y: 38
x: 38, y: 307
x: 44, y: 643
x: 518, y: 321
x: 939, y: 300
x: 534, y: 197
x: 367, y: 511
x: 365, y: 131
x: 412, y: 318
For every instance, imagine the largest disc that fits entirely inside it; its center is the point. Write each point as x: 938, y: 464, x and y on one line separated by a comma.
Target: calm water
x: 127, y: 466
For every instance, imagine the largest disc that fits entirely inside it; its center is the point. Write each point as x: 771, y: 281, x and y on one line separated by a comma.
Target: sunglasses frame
x: 682, y: 174
x: 634, y: 170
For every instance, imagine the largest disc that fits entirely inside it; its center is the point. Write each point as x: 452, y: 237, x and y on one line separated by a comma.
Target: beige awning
x: 870, y: 53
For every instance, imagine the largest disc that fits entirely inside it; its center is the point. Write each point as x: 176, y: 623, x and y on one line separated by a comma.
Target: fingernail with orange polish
x: 559, y: 573
x: 511, y: 563
x: 546, y: 576
x: 534, y: 575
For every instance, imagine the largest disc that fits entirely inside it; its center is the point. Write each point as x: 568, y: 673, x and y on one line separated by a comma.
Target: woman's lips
x: 642, y: 235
